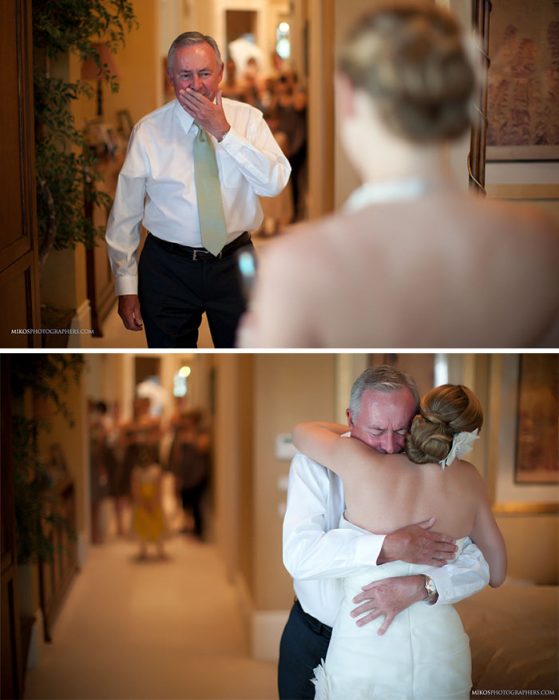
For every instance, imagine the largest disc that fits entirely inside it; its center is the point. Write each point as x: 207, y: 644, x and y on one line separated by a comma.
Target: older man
x: 192, y: 175
x: 318, y: 554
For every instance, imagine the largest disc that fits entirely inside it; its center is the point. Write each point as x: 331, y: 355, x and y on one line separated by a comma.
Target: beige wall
x: 257, y: 398
x: 246, y: 471
x: 321, y: 107
x: 532, y: 546
x: 138, y: 67
x: 227, y: 456
x: 288, y: 389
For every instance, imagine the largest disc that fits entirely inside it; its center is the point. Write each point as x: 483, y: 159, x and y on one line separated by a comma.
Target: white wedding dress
x: 424, y: 654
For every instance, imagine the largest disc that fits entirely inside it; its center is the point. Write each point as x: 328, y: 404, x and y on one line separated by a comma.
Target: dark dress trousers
x: 177, y: 284
x: 303, y: 645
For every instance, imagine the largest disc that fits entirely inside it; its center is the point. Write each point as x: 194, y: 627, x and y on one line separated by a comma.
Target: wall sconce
x: 92, y: 71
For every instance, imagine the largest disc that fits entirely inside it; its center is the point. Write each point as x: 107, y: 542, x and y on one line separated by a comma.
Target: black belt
x: 201, y: 253
x: 316, y: 625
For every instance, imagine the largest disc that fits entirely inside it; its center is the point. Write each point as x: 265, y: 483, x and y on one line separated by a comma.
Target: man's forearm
x: 123, y: 232
x: 260, y: 160
x: 309, y: 553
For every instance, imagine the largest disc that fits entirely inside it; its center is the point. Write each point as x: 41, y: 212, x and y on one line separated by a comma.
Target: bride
x: 410, y: 236
x: 425, y: 651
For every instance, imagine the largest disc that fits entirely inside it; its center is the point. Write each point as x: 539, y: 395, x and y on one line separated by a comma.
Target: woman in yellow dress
x: 148, y: 520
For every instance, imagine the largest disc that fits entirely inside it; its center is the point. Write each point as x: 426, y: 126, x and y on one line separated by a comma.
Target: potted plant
x: 65, y: 167
x: 46, y: 377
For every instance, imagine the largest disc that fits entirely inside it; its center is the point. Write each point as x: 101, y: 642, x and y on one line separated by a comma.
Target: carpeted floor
x: 151, y: 629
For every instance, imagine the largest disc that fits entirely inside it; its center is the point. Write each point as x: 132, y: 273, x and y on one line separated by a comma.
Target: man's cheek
x: 373, y: 442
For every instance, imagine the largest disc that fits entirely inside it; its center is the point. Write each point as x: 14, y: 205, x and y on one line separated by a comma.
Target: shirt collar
x: 185, y: 119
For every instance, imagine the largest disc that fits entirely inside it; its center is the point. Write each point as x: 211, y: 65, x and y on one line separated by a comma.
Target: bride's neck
x: 428, y: 164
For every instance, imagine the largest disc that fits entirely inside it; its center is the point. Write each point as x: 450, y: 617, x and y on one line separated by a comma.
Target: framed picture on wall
x: 523, y: 81
x: 537, y: 435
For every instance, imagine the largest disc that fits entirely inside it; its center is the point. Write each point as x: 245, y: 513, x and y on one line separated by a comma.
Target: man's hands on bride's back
x: 418, y: 544
x: 386, y: 598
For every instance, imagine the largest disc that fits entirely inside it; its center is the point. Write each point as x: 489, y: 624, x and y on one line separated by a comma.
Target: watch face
x: 430, y: 587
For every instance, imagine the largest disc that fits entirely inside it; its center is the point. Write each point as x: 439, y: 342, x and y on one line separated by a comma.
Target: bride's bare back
x: 386, y: 492
x: 449, y: 270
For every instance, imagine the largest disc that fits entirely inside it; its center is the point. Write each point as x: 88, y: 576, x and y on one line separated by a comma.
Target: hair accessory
x: 462, y: 443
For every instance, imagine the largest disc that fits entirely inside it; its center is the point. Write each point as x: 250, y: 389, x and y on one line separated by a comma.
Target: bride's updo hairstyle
x: 443, y: 412
x: 411, y: 59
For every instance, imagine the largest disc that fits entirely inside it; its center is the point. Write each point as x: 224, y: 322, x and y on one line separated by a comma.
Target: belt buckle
x: 194, y: 254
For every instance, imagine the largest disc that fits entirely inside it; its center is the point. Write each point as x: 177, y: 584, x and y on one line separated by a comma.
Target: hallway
x: 170, y: 629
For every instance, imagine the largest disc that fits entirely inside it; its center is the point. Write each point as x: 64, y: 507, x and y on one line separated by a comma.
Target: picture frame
x: 523, y: 81
x: 537, y: 427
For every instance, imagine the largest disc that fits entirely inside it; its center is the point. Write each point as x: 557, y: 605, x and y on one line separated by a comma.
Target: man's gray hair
x: 384, y: 378
x: 189, y: 39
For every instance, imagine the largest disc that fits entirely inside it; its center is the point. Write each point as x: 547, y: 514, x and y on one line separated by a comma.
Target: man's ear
x: 349, y: 417
x: 345, y: 95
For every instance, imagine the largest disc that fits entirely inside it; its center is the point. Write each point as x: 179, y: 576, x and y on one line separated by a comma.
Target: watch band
x: 431, y: 590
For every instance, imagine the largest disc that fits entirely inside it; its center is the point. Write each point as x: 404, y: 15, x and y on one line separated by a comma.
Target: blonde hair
x: 443, y: 412
x: 410, y: 57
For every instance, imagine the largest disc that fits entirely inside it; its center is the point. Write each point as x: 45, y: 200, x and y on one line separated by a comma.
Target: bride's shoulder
x: 468, y: 472
x: 308, y: 233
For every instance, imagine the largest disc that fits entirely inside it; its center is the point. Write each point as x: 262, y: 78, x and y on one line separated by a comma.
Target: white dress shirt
x: 156, y: 185
x: 318, y: 554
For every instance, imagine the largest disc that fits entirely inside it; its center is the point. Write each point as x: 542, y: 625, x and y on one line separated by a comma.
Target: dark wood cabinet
x: 18, y: 226
x: 12, y: 667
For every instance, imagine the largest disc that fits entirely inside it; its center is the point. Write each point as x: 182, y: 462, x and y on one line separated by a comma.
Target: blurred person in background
x: 98, y: 466
x: 148, y: 520
x: 141, y: 435
x: 412, y: 260
x: 189, y: 461
x: 289, y: 106
x: 278, y: 210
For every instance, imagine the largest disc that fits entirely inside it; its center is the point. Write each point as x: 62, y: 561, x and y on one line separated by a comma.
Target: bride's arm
x: 488, y: 537
x: 321, y: 442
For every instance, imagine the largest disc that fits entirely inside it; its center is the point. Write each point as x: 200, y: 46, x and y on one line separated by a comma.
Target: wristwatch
x: 431, y: 590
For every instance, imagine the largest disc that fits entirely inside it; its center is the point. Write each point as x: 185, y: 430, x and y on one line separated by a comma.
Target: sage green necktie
x: 208, y: 194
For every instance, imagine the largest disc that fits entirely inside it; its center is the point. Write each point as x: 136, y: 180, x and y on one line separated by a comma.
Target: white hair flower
x: 462, y: 443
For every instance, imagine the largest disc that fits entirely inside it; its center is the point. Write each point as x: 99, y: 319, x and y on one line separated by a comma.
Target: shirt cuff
x: 367, y: 549
x: 443, y: 584
x: 126, y: 285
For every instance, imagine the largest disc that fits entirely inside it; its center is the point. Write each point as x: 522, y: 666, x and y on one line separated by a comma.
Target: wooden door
x: 12, y: 673
x: 18, y: 226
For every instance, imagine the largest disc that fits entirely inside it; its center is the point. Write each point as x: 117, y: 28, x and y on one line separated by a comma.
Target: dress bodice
x: 423, y: 654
